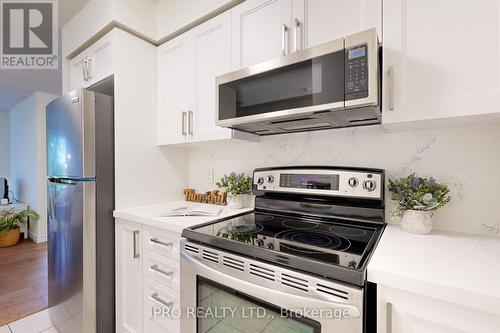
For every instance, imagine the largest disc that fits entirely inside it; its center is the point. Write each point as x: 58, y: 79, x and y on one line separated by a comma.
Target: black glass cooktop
x: 329, y: 241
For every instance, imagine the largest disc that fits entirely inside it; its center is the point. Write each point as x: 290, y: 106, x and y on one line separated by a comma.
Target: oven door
x: 223, y: 292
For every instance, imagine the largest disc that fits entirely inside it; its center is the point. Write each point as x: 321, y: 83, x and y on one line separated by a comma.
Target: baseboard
x: 36, y: 238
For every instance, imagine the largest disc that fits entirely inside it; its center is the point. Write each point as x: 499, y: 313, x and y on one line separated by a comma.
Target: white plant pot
x: 236, y: 201
x: 417, y: 222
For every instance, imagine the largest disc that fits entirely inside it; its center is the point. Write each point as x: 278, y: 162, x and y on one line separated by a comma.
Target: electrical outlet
x: 210, y: 176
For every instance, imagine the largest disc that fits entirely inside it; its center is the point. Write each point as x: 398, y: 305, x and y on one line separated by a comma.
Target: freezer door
x: 71, y: 251
x: 71, y: 135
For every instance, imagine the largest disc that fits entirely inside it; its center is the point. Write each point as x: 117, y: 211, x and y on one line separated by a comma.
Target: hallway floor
x: 23, y: 280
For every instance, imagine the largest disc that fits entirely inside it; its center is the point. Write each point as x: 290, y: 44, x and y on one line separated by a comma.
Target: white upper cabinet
x: 93, y: 64
x: 325, y: 20
x: 261, y: 31
x: 174, y: 77
x: 267, y: 29
x: 212, y: 57
x: 441, y: 62
x: 187, y: 66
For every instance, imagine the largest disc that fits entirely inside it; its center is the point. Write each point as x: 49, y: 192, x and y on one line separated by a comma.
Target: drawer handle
x: 156, y: 241
x: 159, y: 270
x: 161, y: 301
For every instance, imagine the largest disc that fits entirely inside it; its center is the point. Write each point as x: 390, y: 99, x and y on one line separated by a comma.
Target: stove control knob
x: 260, y: 181
x: 270, y: 179
x: 369, y: 185
x: 352, y: 264
x: 270, y: 246
x: 260, y: 242
x: 353, y: 181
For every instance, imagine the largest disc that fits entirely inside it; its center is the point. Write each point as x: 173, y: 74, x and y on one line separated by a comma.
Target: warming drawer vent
x: 262, y: 272
x: 233, y: 263
x: 332, y: 291
x: 191, y: 248
x: 294, y: 282
x: 210, y: 256
x: 272, y: 276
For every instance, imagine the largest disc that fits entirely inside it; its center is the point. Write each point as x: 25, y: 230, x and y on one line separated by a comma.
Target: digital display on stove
x: 319, y: 182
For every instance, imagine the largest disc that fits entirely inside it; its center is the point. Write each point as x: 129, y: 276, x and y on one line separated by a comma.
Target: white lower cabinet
x: 158, y: 303
x: 405, y: 312
x: 147, y: 279
x: 129, y: 277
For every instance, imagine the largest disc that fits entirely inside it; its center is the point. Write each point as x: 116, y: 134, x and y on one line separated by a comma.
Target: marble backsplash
x: 468, y: 159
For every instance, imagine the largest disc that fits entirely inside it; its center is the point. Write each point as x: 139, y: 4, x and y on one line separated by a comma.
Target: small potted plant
x: 236, y: 186
x: 9, y: 225
x: 417, y: 198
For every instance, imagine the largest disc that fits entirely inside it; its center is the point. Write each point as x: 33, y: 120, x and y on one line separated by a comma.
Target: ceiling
x: 16, y: 84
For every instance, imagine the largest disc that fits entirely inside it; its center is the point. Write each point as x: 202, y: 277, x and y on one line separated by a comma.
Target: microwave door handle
x: 260, y: 292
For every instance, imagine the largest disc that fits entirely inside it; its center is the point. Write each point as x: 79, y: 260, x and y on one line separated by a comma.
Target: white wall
x: 27, y: 158
x: 467, y: 159
x: 4, y: 144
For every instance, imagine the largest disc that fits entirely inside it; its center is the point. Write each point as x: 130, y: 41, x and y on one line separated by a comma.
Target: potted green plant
x: 417, y: 198
x: 9, y: 225
x: 236, y: 186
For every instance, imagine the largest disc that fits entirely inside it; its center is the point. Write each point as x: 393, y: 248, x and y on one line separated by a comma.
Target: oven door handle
x: 260, y: 292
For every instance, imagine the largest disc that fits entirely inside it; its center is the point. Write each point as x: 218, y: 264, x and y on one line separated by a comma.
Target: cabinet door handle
x: 184, y: 115
x: 161, y: 301
x: 190, y: 122
x: 298, y: 27
x: 156, y: 241
x: 84, y: 67
x: 284, y: 33
x: 388, y: 320
x: 390, y: 74
x: 136, y: 243
x: 89, y: 68
x: 159, y: 270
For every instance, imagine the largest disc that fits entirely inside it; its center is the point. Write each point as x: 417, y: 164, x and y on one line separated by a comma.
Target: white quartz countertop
x: 152, y: 215
x: 458, y: 268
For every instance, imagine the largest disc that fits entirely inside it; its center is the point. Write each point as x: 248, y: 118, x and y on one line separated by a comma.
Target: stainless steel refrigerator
x: 80, y: 167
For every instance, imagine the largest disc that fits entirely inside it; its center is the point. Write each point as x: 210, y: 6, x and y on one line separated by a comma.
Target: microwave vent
x: 291, y: 120
x: 303, y: 127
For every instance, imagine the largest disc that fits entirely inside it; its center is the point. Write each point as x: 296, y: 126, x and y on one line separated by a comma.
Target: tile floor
x: 54, y: 320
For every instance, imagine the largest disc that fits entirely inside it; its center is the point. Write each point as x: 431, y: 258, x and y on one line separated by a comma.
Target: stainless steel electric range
x: 297, y: 263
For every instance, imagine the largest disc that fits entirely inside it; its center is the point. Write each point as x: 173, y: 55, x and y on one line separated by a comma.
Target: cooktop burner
x: 346, y: 231
x: 326, y: 241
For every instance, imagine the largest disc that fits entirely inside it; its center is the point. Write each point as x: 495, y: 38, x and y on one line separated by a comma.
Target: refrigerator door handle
x: 64, y: 181
x: 69, y: 181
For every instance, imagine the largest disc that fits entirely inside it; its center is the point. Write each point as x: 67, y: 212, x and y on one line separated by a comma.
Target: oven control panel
x: 331, y: 182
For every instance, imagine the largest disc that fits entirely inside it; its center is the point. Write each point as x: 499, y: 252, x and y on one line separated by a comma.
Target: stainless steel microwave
x: 335, y: 84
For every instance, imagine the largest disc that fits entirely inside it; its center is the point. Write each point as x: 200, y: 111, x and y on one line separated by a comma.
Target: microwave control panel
x: 356, y: 78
